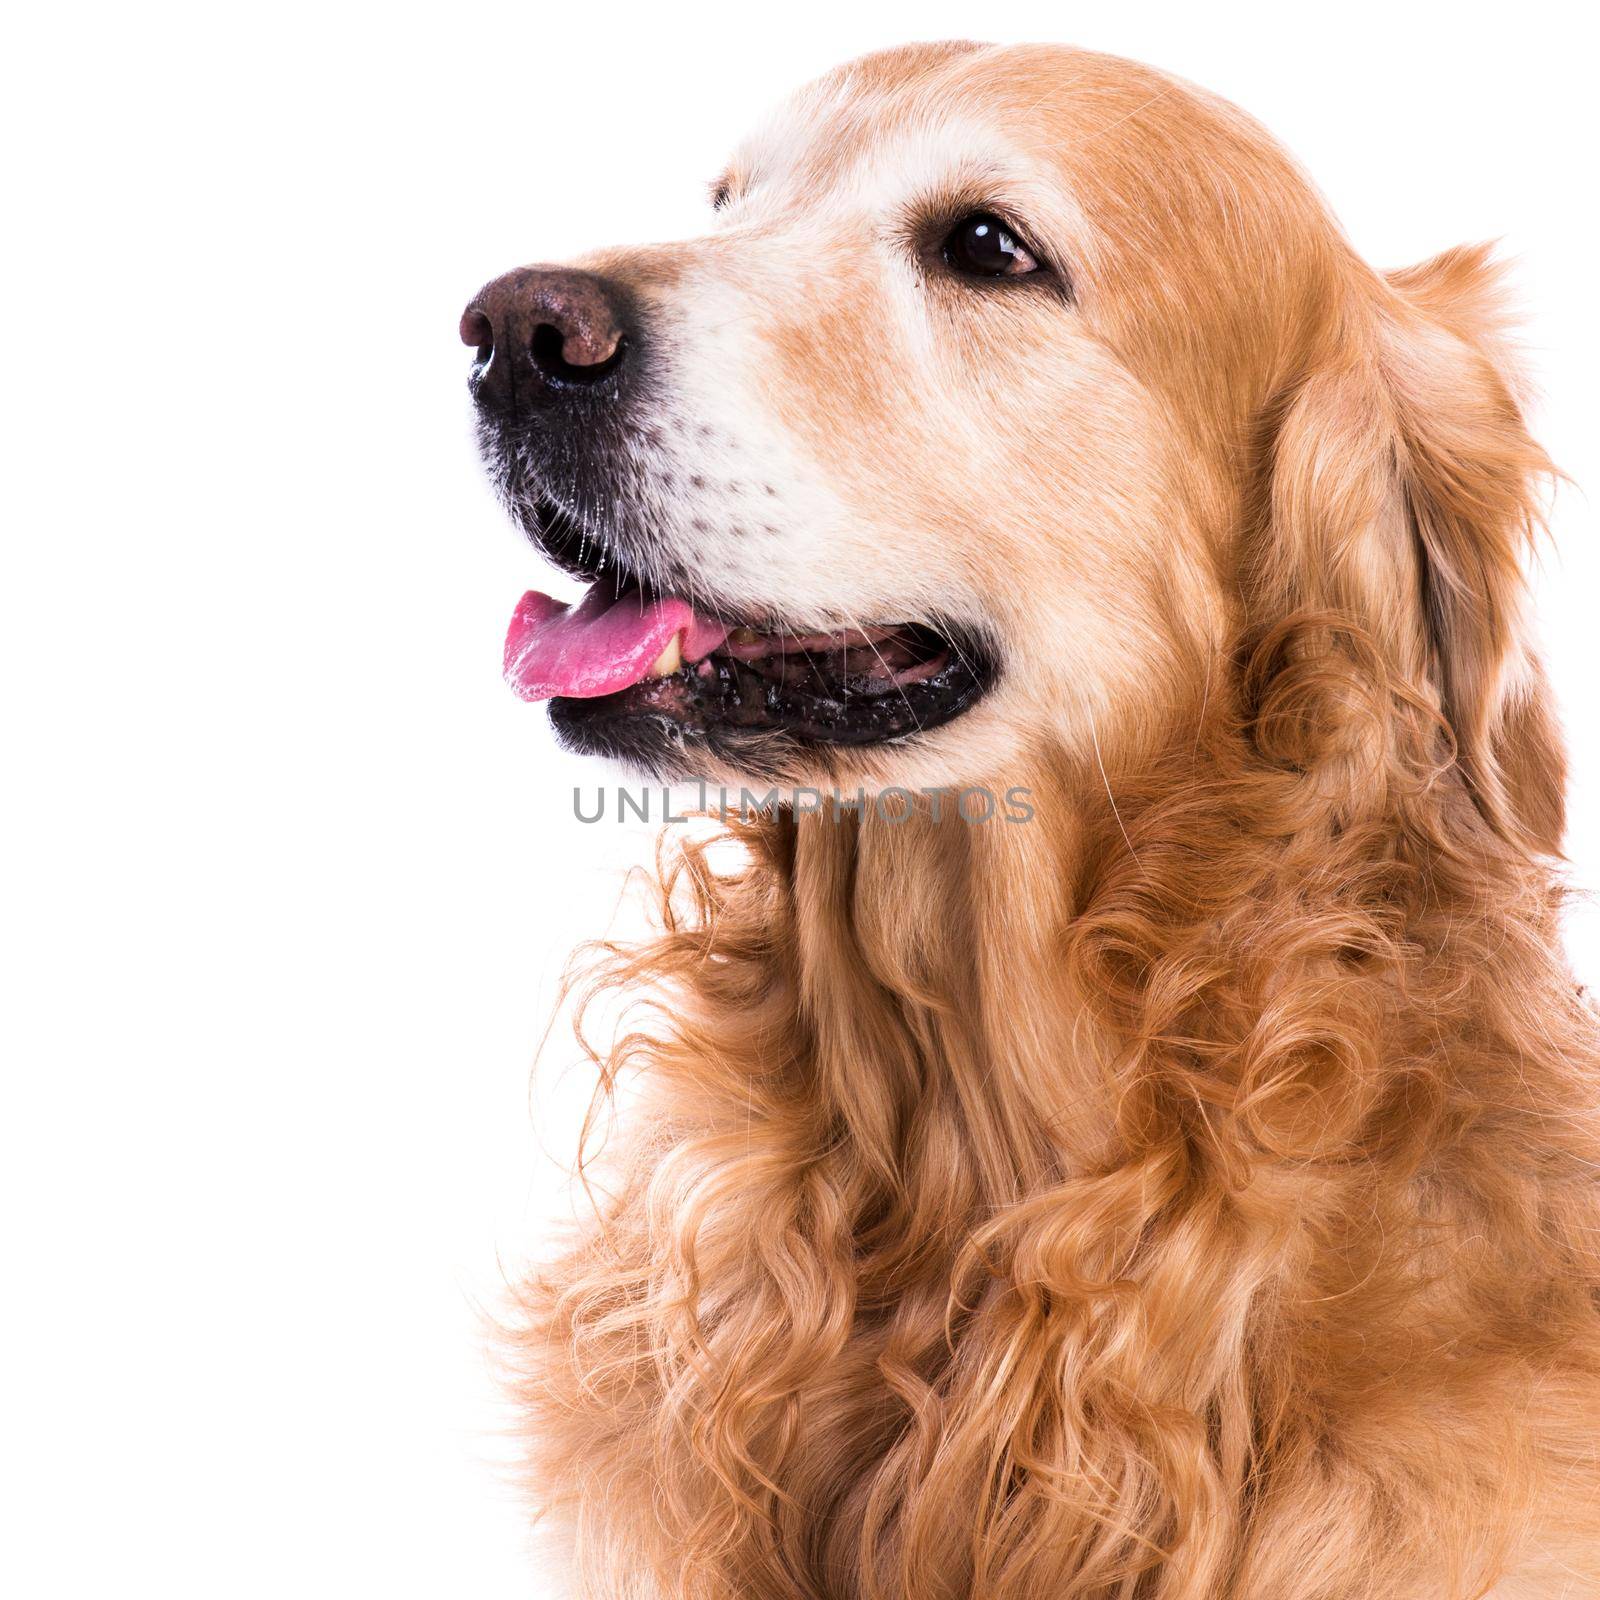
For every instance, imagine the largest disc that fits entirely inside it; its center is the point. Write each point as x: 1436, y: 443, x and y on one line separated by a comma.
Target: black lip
x: 731, y: 710
x: 565, y: 543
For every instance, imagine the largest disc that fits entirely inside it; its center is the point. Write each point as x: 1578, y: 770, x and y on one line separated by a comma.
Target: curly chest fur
x: 1240, y: 1251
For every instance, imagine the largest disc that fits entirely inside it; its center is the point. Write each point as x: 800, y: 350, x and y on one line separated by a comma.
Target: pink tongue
x: 601, y: 645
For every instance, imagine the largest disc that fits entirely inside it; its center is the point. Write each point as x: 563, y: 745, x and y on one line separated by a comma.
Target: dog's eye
x: 982, y: 246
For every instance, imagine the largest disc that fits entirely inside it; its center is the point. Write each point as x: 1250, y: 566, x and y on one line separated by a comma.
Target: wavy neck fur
x: 1079, y: 1208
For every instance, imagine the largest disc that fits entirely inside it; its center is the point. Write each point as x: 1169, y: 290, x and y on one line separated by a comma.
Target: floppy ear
x: 1404, y: 496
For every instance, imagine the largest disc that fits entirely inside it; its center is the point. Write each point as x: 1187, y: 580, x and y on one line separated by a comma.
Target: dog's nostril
x: 476, y: 329
x: 547, y: 346
x: 558, y: 353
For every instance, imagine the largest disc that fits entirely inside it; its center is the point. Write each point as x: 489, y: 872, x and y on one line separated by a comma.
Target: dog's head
x: 1012, y: 387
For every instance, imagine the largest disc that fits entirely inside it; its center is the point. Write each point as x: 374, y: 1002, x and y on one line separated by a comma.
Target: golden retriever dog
x: 1182, y: 1182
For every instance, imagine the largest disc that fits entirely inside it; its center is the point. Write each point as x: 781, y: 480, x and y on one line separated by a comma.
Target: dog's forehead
x: 910, y: 111
x: 901, y: 119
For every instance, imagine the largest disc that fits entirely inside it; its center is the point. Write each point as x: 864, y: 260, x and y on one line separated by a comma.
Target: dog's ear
x: 1403, y: 493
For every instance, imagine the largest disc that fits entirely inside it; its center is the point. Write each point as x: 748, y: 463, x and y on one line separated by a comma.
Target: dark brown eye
x: 982, y: 246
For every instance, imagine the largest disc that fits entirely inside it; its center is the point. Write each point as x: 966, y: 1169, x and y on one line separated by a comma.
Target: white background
x: 290, y: 874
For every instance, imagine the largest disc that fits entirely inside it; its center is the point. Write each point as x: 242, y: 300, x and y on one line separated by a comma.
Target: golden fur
x: 1192, y: 1193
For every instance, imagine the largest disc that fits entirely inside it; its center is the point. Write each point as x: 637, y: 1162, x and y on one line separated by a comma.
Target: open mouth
x: 626, y: 661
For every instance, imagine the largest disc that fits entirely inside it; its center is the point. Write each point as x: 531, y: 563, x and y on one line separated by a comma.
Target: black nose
x: 544, y: 334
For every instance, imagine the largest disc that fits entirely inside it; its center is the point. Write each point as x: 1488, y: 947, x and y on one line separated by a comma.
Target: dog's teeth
x: 744, y: 636
x: 670, y: 659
